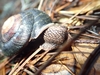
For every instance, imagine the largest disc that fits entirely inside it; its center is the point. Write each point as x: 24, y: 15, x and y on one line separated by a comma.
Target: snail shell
x: 54, y: 36
x: 18, y: 29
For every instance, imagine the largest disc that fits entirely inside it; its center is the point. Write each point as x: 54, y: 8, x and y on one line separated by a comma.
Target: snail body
x: 18, y: 29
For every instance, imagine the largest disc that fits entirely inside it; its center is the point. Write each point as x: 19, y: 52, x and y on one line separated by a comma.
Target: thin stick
x: 34, y: 62
x: 79, y: 11
x: 33, y: 69
x: 68, y: 52
x: 40, y: 5
x: 61, y: 7
x: 52, y: 7
x: 11, y: 72
x: 15, y: 67
x: 6, y: 61
x: 28, y: 72
x: 31, y: 56
x: 76, y: 14
x: 87, y: 35
x: 67, y: 68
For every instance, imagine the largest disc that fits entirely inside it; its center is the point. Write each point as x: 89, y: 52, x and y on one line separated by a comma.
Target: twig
x: 88, y: 35
x: 34, y: 62
x: 68, y: 52
x: 87, y: 41
x: 79, y: 11
x: 89, y: 17
x: 15, y: 67
x: 28, y: 72
x: 6, y: 61
x: 32, y: 67
x: 92, y: 32
x: 54, y: 3
x: 26, y: 61
x: 67, y: 68
x: 63, y: 6
x: 40, y: 5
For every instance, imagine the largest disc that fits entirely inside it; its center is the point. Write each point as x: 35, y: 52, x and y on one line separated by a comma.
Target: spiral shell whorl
x: 54, y: 36
x: 19, y: 39
x: 10, y: 27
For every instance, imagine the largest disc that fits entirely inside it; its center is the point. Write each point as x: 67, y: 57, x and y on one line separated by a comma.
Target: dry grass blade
x: 63, y: 6
x: 28, y: 72
x: 6, y: 61
x: 15, y: 67
x: 34, y: 62
x: 40, y: 5
x: 67, y: 68
x: 26, y: 61
x: 31, y: 67
x: 79, y: 12
x: 2, y: 71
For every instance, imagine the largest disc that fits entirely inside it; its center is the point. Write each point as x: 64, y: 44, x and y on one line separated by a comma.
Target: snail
x: 18, y: 29
x: 28, y: 25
